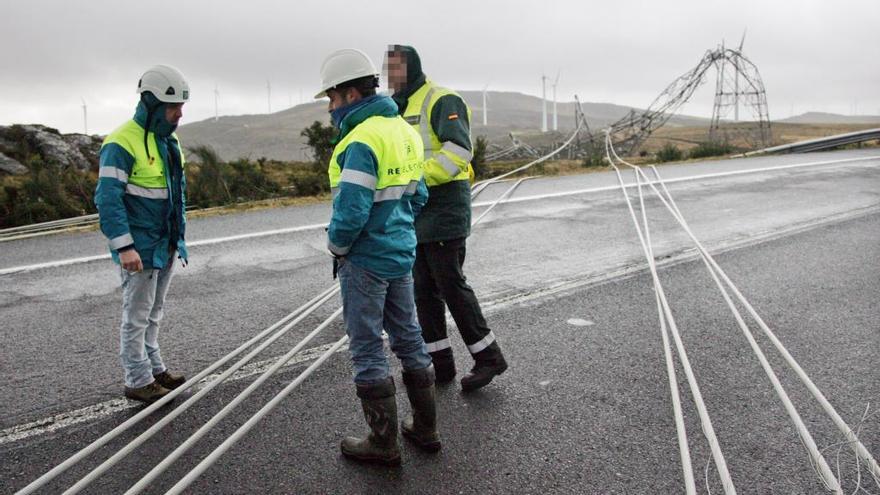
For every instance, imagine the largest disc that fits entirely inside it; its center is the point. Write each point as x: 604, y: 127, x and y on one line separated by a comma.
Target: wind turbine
x: 216, y: 103
x: 485, y: 106
x: 85, y: 116
x: 543, y: 103
x: 269, y: 95
x: 555, y: 114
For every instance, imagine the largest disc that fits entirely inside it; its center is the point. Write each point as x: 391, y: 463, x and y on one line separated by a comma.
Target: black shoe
x: 148, y: 393
x: 482, y: 373
x: 169, y: 380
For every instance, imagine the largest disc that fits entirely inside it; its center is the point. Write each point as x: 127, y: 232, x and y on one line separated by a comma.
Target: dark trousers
x: 440, y: 283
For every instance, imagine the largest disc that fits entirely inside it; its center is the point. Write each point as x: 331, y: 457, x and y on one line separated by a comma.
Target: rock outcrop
x: 11, y: 166
x: 19, y: 143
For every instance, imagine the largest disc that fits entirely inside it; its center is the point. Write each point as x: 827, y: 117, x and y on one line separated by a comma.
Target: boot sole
x: 143, y: 400
x: 433, y: 446
x: 384, y: 461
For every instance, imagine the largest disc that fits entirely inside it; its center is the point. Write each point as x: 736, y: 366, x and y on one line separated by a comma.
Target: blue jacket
x: 378, y: 188
x: 141, y: 192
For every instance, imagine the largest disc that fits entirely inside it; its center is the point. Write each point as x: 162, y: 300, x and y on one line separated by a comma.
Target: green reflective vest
x: 399, y: 165
x: 444, y: 162
x: 146, y: 172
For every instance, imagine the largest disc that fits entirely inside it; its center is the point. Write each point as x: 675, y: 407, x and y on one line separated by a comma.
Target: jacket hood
x: 415, y: 78
x: 158, y: 124
x: 352, y: 115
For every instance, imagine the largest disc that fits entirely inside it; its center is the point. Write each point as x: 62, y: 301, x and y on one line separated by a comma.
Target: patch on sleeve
x: 453, y: 116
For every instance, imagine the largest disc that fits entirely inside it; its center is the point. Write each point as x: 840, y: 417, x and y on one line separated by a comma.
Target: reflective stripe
x: 341, y: 251
x: 458, y: 151
x: 121, y: 241
x: 145, y: 192
x: 334, y: 191
x: 360, y: 178
x: 447, y: 164
x: 439, y: 345
x: 389, y: 193
x: 425, y: 125
x: 111, y: 172
x: 482, y: 344
x: 412, y: 187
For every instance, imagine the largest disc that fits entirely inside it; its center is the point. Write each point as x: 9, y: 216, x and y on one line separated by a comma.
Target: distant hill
x: 831, y: 118
x: 277, y: 135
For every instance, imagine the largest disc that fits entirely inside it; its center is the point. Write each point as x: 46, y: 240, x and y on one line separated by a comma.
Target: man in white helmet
x: 141, y: 200
x: 378, y: 190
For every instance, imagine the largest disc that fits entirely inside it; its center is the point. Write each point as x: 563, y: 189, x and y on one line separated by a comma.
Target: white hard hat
x: 166, y: 83
x: 343, y: 66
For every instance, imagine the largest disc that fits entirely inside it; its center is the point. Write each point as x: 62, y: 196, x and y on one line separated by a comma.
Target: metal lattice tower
x: 738, y: 81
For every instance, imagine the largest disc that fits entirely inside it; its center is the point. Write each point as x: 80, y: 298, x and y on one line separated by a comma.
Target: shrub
x: 478, y: 162
x: 47, y: 193
x: 710, y: 148
x: 593, y: 159
x: 669, y: 153
x: 320, y: 139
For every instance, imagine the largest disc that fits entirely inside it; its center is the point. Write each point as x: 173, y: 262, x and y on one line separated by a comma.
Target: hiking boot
x: 380, y: 411
x: 421, y: 427
x: 169, y: 380
x: 444, y: 366
x: 489, y: 363
x: 148, y: 393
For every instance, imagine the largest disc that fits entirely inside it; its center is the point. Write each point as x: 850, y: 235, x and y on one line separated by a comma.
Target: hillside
x: 831, y: 118
x: 277, y: 135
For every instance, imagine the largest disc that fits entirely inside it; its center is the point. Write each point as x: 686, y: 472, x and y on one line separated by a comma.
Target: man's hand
x: 131, y: 261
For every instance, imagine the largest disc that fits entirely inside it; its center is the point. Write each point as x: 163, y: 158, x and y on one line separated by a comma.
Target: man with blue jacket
x: 377, y: 186
x: 142, y: 207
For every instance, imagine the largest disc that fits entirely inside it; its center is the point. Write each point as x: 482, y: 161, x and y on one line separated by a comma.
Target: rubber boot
x: 444, y: 366
x: 488, y: 364
x: 380, y: 411
x: 421, y: 426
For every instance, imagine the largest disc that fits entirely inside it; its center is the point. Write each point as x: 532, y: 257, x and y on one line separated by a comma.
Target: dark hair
x: 366, y: 85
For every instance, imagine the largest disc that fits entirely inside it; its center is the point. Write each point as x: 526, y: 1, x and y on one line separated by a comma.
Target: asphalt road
x: 583, y: 409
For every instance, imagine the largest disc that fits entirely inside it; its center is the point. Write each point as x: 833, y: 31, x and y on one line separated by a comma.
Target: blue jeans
x: 143, y: 298
x: 370, y: 303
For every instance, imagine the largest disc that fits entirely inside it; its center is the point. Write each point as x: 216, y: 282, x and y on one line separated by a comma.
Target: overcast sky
x: 821, y: 55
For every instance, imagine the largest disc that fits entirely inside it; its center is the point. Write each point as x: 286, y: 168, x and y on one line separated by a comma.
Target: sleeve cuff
x: 121, y: 241
x: 336, y: 250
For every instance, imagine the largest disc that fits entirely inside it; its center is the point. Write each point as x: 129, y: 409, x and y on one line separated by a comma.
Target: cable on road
x: 107, y: 437
x: 817, y: 460
x: 705, y: 421
x: 143, y: 437
x: 189, y: 442
x: 714, y: 268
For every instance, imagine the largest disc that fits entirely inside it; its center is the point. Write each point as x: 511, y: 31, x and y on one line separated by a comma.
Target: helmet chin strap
x: 150, y: 111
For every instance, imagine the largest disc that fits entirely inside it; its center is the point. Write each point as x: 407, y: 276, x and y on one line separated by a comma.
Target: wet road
x: 583, y: 409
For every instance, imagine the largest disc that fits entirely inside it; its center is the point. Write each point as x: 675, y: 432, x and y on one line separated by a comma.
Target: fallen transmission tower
x: 737, y: 81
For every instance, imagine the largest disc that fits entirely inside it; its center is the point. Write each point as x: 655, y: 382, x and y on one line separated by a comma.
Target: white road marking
x: 579, y: 322
x: 252, y: 235
x: 110, y: 407
x: 682, y: 179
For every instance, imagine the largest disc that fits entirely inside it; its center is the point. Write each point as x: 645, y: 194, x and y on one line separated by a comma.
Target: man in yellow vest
x: 142, y: 208
x: 443, y: 120
x: 377, y: 186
